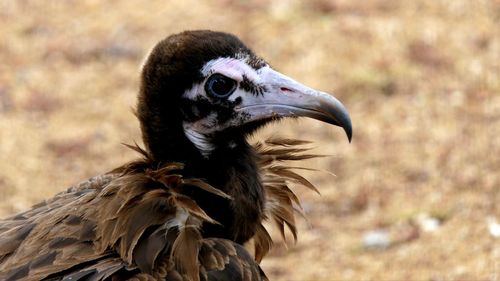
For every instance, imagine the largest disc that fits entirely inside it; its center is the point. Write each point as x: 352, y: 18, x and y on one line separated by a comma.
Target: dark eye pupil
x: 220, y: 86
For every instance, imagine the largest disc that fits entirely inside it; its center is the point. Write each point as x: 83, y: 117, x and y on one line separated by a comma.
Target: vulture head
x: 204, y: 92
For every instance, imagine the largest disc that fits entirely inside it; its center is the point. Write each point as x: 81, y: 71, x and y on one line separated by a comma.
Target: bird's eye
x: 220, y: 86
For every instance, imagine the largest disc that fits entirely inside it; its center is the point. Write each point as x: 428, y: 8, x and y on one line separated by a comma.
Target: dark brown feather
x: 281, y: 203
x: 137, y: 219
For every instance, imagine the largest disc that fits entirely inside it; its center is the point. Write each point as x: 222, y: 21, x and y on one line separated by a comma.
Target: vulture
x: 194, y: 204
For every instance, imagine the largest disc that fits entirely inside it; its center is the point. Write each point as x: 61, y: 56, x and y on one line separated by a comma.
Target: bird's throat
x: 233, y: 169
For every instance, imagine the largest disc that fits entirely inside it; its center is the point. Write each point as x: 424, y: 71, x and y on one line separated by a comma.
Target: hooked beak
x: 285, y: 97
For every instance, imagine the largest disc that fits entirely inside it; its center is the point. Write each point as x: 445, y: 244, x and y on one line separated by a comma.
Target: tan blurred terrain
x: 420, y: 78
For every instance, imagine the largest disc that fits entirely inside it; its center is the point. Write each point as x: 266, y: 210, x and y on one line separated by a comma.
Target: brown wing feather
x: 223, y: 259
x: 133, y: 223
x: 54, y: 235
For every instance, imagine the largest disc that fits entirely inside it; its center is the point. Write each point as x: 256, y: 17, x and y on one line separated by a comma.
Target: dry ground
x: 420, y: 78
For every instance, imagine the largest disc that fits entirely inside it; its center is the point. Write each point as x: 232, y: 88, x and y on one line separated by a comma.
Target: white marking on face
x: 200, y: 140
x: 233, y: 68
x: 195, y: 91
x: 199, y: 132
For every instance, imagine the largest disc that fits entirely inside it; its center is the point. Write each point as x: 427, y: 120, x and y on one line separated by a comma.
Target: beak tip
x: 348, y: 130
x: 349, y: 134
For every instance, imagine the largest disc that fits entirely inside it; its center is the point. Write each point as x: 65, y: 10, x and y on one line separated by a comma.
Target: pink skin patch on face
x: 231, y: 67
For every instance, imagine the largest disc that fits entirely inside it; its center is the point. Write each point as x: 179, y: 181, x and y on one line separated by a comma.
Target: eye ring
x: 219, y: 86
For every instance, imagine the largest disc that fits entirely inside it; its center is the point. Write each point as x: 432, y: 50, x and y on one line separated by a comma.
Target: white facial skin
x: 235, y: 68
x: 280, y: 96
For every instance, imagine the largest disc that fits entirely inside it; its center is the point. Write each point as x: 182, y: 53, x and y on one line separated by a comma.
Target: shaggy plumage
x: 199, y: 192
x: 137, y: 222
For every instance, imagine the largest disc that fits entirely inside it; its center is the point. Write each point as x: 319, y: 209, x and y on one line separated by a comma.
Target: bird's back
x: 51, y: 237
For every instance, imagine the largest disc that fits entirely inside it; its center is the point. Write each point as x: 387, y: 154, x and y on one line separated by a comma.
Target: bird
x: 198, y: 193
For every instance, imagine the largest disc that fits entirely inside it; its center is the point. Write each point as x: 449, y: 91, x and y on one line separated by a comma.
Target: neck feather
x: 231, y: 167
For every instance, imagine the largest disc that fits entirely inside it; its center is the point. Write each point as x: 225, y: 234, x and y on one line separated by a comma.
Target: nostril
x: 284, y: 89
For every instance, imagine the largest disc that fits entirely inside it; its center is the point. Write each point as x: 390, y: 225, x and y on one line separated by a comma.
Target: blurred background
x: 416, y: 194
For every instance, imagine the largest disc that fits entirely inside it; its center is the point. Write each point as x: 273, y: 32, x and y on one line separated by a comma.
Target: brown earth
x: 420, y: 78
